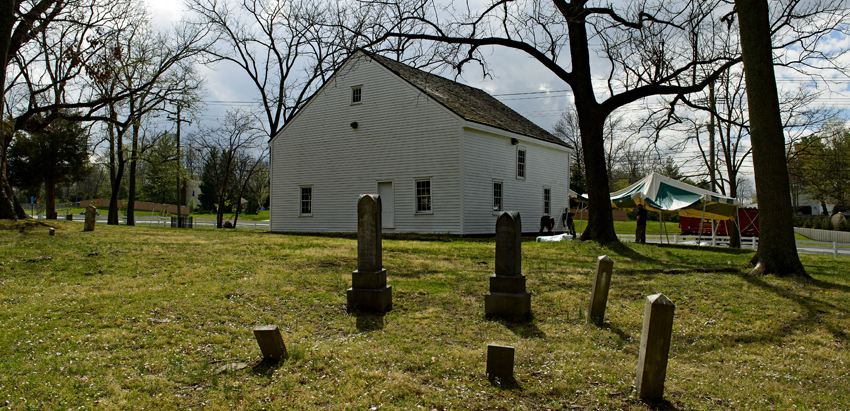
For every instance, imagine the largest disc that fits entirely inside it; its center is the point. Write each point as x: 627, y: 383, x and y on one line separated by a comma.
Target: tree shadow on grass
x: 812, y: 307
x: 624, y: 250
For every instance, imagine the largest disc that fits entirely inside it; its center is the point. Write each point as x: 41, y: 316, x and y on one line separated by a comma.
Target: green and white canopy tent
x: 664, y: 194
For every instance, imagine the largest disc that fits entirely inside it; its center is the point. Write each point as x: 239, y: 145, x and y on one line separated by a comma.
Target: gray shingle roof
x: 470, y: 103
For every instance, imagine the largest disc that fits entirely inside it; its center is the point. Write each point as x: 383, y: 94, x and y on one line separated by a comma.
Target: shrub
x: 827, y: 224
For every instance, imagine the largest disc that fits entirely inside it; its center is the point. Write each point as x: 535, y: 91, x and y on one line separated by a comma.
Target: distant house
x: 445, y: 157
x: 805, y: 205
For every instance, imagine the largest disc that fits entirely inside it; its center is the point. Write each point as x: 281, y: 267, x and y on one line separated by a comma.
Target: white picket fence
x: 829, y: 236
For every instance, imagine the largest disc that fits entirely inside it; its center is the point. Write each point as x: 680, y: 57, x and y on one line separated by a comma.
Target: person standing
x: 640, y: 232
x: 567, y: 221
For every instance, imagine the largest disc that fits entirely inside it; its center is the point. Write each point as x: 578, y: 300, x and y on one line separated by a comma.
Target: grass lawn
x: 155, y: 318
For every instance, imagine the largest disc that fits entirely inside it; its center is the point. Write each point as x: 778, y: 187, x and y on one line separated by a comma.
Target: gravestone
x: 369, y: 289
x: 507, y: 296
x: 52, y: 231
x: 69, y: 217
x: 654, y: 347
x: 271, y: 343
x: 599, y: 292
x: 500, y: 363
x: 91, y: 218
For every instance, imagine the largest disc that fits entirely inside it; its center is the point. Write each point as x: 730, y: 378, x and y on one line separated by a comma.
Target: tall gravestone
x: 369, y: 289
x: 91, y: 218
x: 654, y: 347
x: 507, y: 296
x: 599, y: 293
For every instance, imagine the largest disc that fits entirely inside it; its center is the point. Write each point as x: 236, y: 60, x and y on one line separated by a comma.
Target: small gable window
x: 356, y: 94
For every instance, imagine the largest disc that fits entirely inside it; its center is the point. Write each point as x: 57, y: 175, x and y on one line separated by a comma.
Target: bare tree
x: 230, y: 153
x: 651, y: 48
x: 140, y: 55
x: 54, y: 54
x: 777, y: 251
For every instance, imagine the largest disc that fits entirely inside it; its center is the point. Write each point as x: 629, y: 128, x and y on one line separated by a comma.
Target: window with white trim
x: 497, y: 196
x: 423, y: 196
x: 356, y: 94
x: 547, y: 196
x: 306, y: 200
x: 520, y: 163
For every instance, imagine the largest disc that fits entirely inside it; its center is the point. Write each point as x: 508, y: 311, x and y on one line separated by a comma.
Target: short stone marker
x: 69, y: 217
x: 508, y: 296
x: 271, y: 343
x: 52, y: 231
x: 500, y: 363
x: 654, y: 347
x: 369, y: 289
x: 599, y: 292
x: 91, y: 218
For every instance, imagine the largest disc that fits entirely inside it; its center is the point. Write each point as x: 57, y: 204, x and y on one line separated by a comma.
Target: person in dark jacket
x: 640, y: 231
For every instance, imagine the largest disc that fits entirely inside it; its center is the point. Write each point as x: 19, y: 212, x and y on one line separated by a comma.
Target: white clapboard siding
x: 402, y: 136
x: 489, y: 157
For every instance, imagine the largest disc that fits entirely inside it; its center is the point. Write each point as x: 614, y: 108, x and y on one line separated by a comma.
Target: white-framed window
x: 547, y: 203
x: 356, y: 94
x: 306, y: 201
x: 520, y: 163
x: 423, y: 196
x: 497, y: 196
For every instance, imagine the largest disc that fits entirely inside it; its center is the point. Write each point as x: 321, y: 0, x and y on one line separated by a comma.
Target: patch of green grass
x: 136, y: 317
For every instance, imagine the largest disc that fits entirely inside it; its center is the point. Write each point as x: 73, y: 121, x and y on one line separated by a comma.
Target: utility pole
x: 179, y: 210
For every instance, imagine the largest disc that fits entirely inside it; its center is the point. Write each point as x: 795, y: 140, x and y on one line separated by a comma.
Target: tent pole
x: 581, y: 219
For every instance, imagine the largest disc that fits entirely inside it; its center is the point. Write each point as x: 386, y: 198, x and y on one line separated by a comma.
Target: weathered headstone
x: 91, y: 218
x: 69, y: 217
x: 654, y: 346
x: 500, y: 363
x: 599, y: 292
x: 508, y: 296
x: 369, y: 289
x: 271, y: 343
x: 52, y: 231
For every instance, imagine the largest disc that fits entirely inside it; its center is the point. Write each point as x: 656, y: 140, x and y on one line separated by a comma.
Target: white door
x: 385, y: 190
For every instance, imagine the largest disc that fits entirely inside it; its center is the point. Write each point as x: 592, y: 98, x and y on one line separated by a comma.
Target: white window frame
x: 301, y: 201
x: 357, y: 95
x: 547, y: 200
x: 521, y: 163
x: 500, y: 197
x: 416, y: 198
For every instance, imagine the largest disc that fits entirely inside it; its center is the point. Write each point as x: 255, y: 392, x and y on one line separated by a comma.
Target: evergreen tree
x: 57, y: 154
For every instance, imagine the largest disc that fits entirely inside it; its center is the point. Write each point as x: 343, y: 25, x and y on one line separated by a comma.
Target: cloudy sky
x: 517, y: 80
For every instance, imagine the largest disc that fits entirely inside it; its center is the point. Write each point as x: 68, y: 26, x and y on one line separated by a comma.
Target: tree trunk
x: 591, y: 121
x: 50, y: 198
x: 600, y: 220
x: 8, y: 211
x: 131, y: 197
x: 777, y: 252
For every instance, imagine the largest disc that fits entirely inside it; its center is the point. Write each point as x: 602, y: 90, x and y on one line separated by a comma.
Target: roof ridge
x: 470, y: 103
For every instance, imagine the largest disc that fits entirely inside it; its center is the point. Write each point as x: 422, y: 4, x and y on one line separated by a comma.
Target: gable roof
x: 469, y: 103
